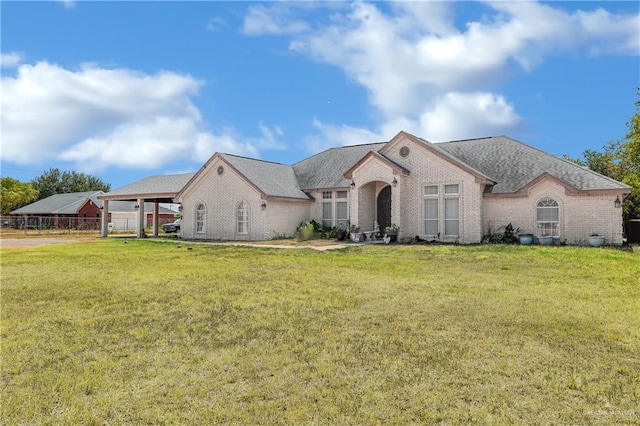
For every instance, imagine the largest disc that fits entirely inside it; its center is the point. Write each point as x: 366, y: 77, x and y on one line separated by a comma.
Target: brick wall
x: 222, y: 194
x: 580, y: 215
x: 426, y: 168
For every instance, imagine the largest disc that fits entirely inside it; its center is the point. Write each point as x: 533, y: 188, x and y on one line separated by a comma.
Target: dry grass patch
x: 148, y: 333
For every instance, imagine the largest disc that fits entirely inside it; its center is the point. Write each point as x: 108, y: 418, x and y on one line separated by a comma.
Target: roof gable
x: 268, y: 178
x: 397, y: 169
x: 435, y: 149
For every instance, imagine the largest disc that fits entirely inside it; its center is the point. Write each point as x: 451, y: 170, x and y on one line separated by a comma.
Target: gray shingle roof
x: 69, y: 203
x: 273, y: 179
x: 326, y: 169
x: 513, y: 164
x: 162, y: 184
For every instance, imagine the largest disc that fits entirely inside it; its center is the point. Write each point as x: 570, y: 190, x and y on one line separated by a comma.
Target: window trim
x: 541, y: 224
x: 438, y: 191
x: 333, y: 198
x: 242, y: 206
x: 203, y: 220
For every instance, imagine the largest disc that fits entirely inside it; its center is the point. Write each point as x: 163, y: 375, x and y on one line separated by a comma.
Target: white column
x: 154, y: 231
x: 141, y: 218
x: 105, y: 218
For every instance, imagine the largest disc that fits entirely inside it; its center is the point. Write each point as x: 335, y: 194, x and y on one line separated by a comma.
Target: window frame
x: 201, y: 208
x: 242, y: 218
x: 333, y: 199
x: 547, y: 226
x: 441, y: 194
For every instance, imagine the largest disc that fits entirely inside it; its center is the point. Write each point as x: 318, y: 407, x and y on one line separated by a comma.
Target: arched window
x: 243, y: 218
x: 548, y: 217
x: 201, y: 211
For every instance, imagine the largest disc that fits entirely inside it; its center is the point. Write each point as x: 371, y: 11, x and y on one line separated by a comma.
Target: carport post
x: 105, y: 218
x: 154, y: 231
x: 141, y: 218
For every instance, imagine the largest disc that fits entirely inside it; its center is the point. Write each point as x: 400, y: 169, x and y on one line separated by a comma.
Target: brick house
x: 453, y: 192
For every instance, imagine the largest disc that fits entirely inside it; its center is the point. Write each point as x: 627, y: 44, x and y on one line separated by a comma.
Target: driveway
x: 33, y: 242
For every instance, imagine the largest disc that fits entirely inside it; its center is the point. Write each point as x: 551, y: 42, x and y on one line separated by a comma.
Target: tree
x: 53, y: 182
x: 15, y: 194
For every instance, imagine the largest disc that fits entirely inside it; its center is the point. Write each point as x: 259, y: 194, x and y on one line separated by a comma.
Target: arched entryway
x: 383, y: 205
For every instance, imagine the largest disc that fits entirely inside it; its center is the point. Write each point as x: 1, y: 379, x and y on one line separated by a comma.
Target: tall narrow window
x: 342, y: 210
x: 452, y: 217
x: 431, y: 210
x: 243, y: 218
x: 452, y: 210
x: 327, y: 208
x: 201, y: 211
x: 548, y: 217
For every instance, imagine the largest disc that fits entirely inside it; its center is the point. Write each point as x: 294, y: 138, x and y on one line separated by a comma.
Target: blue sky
x: 125, y: 90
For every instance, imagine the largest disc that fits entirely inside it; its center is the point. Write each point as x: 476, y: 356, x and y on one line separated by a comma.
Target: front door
x: 384, y: 208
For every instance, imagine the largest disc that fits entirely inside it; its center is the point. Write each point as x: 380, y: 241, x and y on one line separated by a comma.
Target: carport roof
x: 162, y: 188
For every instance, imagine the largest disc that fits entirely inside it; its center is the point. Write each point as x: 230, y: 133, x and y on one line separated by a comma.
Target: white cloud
x: 101, y: 117
x: 426, y: 74
x: 10, y: 60
x: 483, y: 113
x: 274, y: 20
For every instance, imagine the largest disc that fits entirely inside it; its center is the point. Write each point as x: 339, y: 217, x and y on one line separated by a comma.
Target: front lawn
x: 148, y: 333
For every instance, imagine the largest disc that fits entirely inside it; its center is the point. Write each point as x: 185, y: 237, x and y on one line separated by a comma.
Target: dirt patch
x: 34, y: 242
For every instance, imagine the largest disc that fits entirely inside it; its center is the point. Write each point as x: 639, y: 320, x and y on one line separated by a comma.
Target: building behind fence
x: 69, y: 223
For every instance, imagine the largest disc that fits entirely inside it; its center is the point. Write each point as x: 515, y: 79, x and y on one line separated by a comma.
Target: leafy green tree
x: 15, y: 194
x: 54, y: 182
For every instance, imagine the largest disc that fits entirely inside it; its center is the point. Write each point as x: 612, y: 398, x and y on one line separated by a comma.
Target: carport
x: 153, y: 189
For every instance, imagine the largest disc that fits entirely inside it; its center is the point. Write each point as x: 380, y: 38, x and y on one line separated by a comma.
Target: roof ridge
x: 254, y: 159
x: 472, y: 139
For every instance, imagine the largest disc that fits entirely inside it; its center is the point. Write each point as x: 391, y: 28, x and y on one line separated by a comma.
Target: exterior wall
x: 89, y: 215
x: 284, y: 217
x: 580, y: 215
x: 407, y: 198
x: 222, y: 194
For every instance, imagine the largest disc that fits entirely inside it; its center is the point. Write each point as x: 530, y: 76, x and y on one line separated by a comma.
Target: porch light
x: 263, y: 205
x: 137, y: 206
x: 180, y: 208
x: 101, y: 207
x: 394, y: 182
x: 617, y: 202
x: 353, y: 184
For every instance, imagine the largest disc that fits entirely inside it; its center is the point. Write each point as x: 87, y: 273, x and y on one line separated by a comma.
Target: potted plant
x: 596, y: 240
x: 525, y: 239
x: 545, y: 240
x: 392, y: 232
x: 341, y: 233
x: 510, y: 232
x: 354, y: 233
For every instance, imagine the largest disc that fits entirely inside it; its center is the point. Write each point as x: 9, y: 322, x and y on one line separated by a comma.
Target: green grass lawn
x: 146, y: 333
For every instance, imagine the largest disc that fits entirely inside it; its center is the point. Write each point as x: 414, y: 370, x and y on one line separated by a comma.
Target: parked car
x: 172, y: 227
